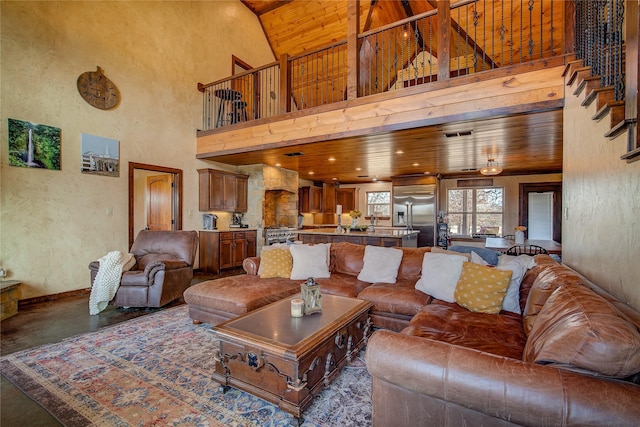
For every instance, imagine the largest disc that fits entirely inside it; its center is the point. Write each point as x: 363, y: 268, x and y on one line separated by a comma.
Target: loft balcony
x: 495, y: 59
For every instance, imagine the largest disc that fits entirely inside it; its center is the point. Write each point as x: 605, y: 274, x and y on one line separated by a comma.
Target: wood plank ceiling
x: 521, y: 143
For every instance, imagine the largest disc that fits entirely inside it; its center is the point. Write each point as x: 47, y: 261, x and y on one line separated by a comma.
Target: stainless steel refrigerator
x: 414, y: 207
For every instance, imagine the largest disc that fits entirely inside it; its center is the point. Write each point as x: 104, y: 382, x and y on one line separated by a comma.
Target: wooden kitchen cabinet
x: 222, y: 191
x: 329, y: 204
x: 252, y: 243
x: 347, y: 198
x: 242, y: 188
x: 225, y: 249
x: 310, y: 199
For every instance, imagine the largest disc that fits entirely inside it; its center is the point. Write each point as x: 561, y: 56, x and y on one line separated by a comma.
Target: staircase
x: 606, y: 104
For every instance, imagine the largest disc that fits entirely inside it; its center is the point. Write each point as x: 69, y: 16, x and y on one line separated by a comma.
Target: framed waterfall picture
x: 100, y: 156
x: 32, y: 145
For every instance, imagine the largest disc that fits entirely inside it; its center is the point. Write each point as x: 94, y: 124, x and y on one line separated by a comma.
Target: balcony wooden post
x: 353, y: 56
x: 285, y: 84
x: 444, y: 36
x: 569, y: 27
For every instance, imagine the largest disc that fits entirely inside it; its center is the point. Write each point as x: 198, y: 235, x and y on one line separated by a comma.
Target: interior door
x: 159, y: 211
x: 248, y: 86
x: 540, y: 216
x: 554, y: 189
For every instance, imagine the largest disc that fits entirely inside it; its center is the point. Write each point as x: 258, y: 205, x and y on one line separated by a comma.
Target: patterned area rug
x: 155, y: 370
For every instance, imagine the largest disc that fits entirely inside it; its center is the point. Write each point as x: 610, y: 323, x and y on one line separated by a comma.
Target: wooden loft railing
x: 481, y: 36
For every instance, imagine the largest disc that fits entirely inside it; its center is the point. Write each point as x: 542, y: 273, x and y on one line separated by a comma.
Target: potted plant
x: 355, y: 214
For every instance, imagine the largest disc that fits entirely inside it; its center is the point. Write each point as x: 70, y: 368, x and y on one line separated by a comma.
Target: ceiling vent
x: 295, y: 154
x: 456, y: 134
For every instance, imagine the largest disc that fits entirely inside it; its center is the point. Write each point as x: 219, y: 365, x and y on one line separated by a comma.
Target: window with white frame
x: 475, y: 211
x: 378, y: 203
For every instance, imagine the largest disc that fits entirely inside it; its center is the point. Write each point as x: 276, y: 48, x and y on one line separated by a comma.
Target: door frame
x: 176, y: 196
x: 542, y: 187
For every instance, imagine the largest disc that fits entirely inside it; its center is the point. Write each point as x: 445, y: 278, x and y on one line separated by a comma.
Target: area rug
x: 156, y: 371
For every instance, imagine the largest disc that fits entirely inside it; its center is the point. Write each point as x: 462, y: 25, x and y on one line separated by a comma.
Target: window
x: 475, y: 211
x: 379, y: 202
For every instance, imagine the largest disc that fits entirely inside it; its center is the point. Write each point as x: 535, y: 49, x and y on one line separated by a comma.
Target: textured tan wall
x: 601, y: 233
x: 53, y: 223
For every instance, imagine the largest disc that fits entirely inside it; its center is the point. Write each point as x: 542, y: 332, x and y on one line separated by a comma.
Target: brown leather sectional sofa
x: 571, y: 358
x: 218, y: 300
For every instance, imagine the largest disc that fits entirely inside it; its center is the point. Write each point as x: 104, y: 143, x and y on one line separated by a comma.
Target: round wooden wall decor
x: 98, y: 90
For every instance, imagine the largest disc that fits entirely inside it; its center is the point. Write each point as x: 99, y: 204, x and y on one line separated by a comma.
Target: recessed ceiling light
x: 332, y: 159
x: 427, y: 173
x: 311, y: 173
x: 278, y: 165
x: 334, y: 178
x: 416, y: 164
x: 375, y: 179
x: 399, y: 152
x: 358, y: 169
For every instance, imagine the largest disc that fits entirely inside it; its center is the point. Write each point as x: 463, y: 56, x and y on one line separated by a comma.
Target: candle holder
x: 339, y: 228
x: 311, y: 296
x: 297, y: 307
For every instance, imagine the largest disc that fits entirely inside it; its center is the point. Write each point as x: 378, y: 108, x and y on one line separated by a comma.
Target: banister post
x: 285, y: 84
x: 444, y: 36
x: 353, y: 57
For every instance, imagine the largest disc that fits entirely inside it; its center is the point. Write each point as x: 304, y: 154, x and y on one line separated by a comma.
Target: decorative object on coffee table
x: 297, y: 307
x: 311, y: 296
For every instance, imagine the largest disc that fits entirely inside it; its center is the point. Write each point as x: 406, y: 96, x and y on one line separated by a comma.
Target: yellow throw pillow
x: 481, y: 288
x: 275, y: 263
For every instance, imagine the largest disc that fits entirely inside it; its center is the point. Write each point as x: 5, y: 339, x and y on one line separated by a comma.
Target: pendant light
x: 492, y: 168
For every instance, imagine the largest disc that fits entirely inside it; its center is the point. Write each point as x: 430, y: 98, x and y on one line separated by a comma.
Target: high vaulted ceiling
x: 522, y: 143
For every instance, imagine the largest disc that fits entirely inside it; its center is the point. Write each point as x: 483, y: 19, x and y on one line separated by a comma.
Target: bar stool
x: 226, y: 108
x: 238, y: 111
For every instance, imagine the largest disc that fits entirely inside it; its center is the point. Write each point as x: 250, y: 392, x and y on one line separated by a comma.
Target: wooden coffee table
x: 289, y: 360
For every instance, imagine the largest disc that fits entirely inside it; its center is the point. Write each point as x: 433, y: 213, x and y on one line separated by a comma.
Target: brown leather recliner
x: 163, y: 269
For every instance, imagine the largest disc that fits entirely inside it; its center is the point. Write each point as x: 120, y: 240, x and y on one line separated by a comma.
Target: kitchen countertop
x: 225, y: 230
x: 393, y: 233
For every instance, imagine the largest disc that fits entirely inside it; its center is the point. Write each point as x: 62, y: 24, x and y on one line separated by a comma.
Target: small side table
x: 10, y: 295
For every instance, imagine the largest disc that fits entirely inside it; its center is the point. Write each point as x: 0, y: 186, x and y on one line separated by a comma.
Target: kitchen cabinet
x: 242, y: 188
x: 310, y: 199
x: 222, y: 191
x: 329, y: 204
x: 220, y: 250
x: 347, y: 198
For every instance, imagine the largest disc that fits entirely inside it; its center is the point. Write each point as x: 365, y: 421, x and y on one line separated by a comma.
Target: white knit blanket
x: 107, y: 280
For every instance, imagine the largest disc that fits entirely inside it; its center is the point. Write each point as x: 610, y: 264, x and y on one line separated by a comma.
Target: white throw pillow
x: 477, y: 259
x: 519, y: 268
x: 380, y: 264
x: 525, y: 260
x: 440, y: 275
x: 310, y: 261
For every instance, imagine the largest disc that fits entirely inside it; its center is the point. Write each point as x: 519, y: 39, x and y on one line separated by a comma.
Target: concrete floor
x: 50, y: 322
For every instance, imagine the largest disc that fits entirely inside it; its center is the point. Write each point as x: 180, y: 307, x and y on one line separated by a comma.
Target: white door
x: 540, y: 216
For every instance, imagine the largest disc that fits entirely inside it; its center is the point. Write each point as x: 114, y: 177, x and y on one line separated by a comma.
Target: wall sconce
x: 492, y: 168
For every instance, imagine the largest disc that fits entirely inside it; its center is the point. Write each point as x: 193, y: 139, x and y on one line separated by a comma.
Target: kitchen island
x: 379, y: 237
